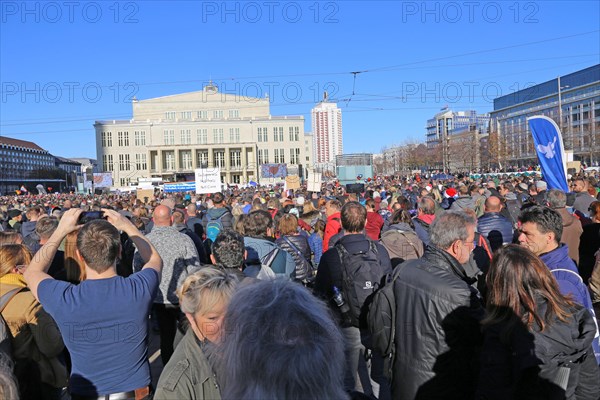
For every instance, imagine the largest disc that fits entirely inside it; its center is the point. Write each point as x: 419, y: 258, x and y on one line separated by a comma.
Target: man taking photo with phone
x: 103, y: 320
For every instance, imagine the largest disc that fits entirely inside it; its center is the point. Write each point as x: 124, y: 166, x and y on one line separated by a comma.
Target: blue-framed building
x: 578, y: 94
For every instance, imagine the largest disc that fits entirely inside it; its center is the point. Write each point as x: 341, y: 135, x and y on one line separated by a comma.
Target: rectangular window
x: 169, y: 160
x: 107, y: 159
x: 235, y: 158
x: 234, y: 135
x: 124, y: 162
x: 186, y: 115
x: 294, y: 133
x: 202, y: 115
x: 219, y: 157
x: 295, y: 156
x: 186, y: 136
x: 263, y: 156
x: 281, y: 153
x: 121, y: 138
x: 262, y: 137
x: 169, y: 136
x: 278, y: 134
x: 106, y: 139
x: 140, y: 162
x: 139, y: 138
x: 202, y: 136
x: 185, y: 159
x: 202, y: 159
x: 234, y: 113
x: 218, y: 135
x: 217, y: 114
x: 170, y: 115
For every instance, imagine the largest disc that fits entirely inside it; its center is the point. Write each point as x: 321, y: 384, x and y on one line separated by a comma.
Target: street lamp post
x: 560, y: 108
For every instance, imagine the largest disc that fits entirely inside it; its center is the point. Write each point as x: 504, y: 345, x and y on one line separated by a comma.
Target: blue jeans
x: 370, y: 372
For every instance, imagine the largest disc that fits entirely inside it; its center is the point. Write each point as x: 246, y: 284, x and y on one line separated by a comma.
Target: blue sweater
x: 570, y: 283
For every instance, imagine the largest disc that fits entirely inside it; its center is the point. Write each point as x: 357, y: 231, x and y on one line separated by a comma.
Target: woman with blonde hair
x: 36, y: 340
x: 310, y: 214
x: 189, y: 374
x: 537, y: 343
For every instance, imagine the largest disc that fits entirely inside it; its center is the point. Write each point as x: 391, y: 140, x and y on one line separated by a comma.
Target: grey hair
x: 203, y: 289
x: 46, y: 226
x: 557, y: 199
x: 449, y: 227
x: 280, y: 342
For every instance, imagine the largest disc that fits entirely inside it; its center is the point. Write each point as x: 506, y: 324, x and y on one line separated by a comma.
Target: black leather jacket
x: 301, y: 243
x: 438, y: 336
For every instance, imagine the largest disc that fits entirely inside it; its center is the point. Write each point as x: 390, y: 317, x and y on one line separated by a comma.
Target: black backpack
x: 362, y: 275
x: 381, y: 321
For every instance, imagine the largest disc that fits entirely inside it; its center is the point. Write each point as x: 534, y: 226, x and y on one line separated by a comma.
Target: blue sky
x: 83, y: 61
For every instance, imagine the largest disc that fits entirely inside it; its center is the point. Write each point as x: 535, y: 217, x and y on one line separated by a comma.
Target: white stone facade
x: 170, y: 136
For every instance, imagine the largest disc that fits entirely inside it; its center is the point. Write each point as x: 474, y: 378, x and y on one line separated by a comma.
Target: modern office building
x: 572, y: 100
x: 19, y: 160
x: 453, y: 139
x: 171, y: 136
x: 326, y: 120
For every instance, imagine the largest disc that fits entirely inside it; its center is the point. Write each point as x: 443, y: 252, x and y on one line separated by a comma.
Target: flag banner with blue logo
x: 550, y: 151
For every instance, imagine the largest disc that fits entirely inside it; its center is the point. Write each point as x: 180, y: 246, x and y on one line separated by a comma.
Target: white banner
x: 208, y: 180
x: 314, y: 182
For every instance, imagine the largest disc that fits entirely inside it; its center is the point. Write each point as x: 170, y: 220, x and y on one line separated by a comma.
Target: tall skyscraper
x: 327, y: 131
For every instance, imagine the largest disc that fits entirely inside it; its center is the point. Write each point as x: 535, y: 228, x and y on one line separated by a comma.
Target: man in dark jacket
x: 424, y: 218
x: 437, y: 316
x: 193, y: 221
x: 329, y: 275
x: 179, y: 224
x: 572, y: 229
x: 541, y: 193
x: 582, y: 198
x: 218, y: 212
x: 259, y: 242
x: 493, y: 225
x: 464, y: 199
x: 540, y: 231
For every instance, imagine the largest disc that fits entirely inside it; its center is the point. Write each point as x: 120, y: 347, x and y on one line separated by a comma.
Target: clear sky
x: 390, y: 65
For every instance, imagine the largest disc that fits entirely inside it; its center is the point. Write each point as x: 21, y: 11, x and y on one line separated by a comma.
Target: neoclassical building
x: 169, y: 137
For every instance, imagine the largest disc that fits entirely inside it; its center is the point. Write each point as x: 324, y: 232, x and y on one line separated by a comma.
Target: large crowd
x: 413, y: 288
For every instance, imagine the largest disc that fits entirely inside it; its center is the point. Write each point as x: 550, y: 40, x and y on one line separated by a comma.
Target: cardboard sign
x: 292, y: 182
x: 145, y: 195
x: 208, y: 180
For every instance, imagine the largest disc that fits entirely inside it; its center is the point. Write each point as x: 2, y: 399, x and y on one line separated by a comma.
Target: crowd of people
x: 264, y: 293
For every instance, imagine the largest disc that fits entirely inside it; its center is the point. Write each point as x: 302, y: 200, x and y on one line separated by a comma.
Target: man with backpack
x: 348, y: 275
x: 217, y: 218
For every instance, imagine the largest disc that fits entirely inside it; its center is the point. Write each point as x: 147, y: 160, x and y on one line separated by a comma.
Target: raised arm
x: 145, y: 249
x: 38, y: 268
